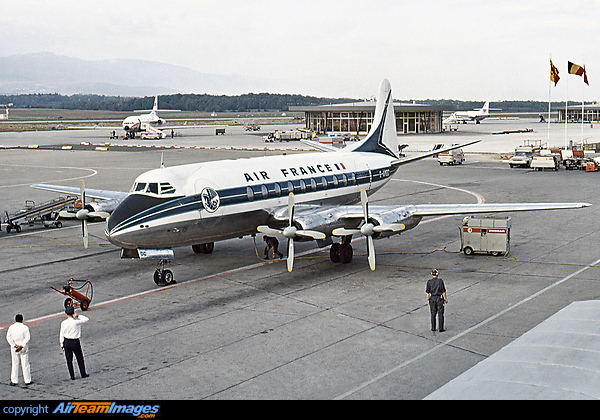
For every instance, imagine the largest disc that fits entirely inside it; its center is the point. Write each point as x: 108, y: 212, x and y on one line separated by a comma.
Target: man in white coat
x: 18, y: 338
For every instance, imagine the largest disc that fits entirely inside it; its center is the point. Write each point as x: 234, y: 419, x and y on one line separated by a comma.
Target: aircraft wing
x: 320, y: 146
x: 94, y: 127
x: 183, y: 127
x: 97, y: 194
x: 390, y: 220
x: 457, y: 209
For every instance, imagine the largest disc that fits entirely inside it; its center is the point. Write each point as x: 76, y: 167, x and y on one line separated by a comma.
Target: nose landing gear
x: 163, y: 276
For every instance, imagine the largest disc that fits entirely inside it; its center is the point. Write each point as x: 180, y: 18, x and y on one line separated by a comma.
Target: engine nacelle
x: 394, y: 219
x: 318, y: 222
x: 104, y: 205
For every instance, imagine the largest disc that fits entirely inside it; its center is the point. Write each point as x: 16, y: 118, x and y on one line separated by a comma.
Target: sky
x: 428, y: 49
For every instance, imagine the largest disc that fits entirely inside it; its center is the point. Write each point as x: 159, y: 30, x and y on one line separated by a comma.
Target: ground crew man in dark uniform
x: 272, y: 243
x: 436, y: 297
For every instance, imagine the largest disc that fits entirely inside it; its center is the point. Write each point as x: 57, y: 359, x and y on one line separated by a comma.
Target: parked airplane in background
x: 476, y: 115
x: 151, y: 126
x: 302, y: 197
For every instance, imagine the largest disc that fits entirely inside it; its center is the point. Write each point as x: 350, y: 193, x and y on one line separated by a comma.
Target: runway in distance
x: 476, y: 115
x: 302, y: 197
x: 149, y: 126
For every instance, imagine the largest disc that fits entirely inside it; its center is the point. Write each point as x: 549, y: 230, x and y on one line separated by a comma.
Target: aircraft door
x: 369, y: 177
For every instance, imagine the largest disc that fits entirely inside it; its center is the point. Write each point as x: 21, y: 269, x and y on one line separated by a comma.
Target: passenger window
x: 290, y: 187
x: 351, y: 179
x: 313, y: 184
x: 335, y: 181
x: 302, y: 186
x: 277, y: 189
x: 250, y: 194
x: 343, y: 180
x: 324, y: 182
x: 265, y: 191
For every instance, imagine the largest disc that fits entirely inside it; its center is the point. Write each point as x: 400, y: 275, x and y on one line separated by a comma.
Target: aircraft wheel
x: 157, y: 278
x: 204, y: 248
x: 334, y: 252
x: 167, y: 277
x: 207, y: 248
x: 85, y: 304
x: 346, y: 253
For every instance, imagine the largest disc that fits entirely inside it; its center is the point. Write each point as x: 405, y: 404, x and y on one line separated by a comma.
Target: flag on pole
x: 553, y: 74
x: 578, y: 70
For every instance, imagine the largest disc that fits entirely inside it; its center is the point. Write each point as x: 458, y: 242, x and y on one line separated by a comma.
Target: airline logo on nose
x: 210, y: 199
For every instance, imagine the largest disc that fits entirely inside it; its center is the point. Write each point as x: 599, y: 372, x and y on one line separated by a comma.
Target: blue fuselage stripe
x: 249, y: 193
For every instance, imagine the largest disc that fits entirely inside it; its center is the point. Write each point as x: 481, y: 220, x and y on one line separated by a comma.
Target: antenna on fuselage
x: 162, y: 161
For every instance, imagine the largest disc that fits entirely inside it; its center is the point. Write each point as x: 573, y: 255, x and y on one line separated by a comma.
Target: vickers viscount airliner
x: 302, y: 197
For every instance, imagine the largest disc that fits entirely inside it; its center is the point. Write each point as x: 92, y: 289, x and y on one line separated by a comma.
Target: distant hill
x: 51, y: 73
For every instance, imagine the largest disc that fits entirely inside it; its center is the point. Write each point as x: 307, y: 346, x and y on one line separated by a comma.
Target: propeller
x: 368, y: 229
x: 291, y: 232
x: 84, y: 215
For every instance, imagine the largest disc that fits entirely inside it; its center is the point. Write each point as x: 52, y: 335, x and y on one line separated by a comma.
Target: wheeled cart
x: 75, y: 297
x: 485, y: 234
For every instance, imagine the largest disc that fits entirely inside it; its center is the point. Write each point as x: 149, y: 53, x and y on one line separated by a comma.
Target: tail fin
x: 382, y: 138
x: 486, y: 107
x: 155, y: 107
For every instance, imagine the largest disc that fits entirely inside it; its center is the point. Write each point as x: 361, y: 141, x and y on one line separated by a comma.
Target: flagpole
x: 566, y: 115
x: 549, y: 97
x: 582, y: 101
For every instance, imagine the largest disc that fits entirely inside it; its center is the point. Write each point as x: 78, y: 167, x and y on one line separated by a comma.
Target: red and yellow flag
x: 578, y: 70
x: 553, y: 73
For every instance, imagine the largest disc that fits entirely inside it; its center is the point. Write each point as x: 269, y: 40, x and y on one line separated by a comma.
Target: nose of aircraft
x: 125, y: 215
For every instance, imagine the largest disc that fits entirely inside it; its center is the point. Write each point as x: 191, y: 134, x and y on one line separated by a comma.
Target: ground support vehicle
x: 485, y: 234
x: 251, y: 127
x: 45, y: 213
x: 452, y: 157
x: 574, y: 159
x: 522, y: 158
x: 551, y: 161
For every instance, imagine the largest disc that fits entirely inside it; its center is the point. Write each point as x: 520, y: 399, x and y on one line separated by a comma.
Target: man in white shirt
x: 70, y: 331
x: 18, y: 337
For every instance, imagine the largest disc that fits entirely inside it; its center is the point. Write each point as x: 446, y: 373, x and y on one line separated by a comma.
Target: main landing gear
x: 342, y: 252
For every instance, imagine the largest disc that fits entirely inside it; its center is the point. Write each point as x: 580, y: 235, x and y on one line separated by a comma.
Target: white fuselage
x: 207, y: 202
x: 137, y: 123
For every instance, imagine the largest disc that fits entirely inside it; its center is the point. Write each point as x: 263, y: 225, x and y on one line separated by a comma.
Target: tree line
x: 236, y: 103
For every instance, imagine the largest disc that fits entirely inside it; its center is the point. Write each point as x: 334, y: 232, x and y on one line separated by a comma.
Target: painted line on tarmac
x: 465, y: 332
x: 35, y: 321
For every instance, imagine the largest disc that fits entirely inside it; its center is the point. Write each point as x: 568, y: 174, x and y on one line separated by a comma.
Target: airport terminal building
x: 357, y: 118
x: 591, y: 113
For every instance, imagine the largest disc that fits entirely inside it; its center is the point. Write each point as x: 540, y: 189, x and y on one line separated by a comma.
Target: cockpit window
x: 166, y: 188
x: 162, y: 188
